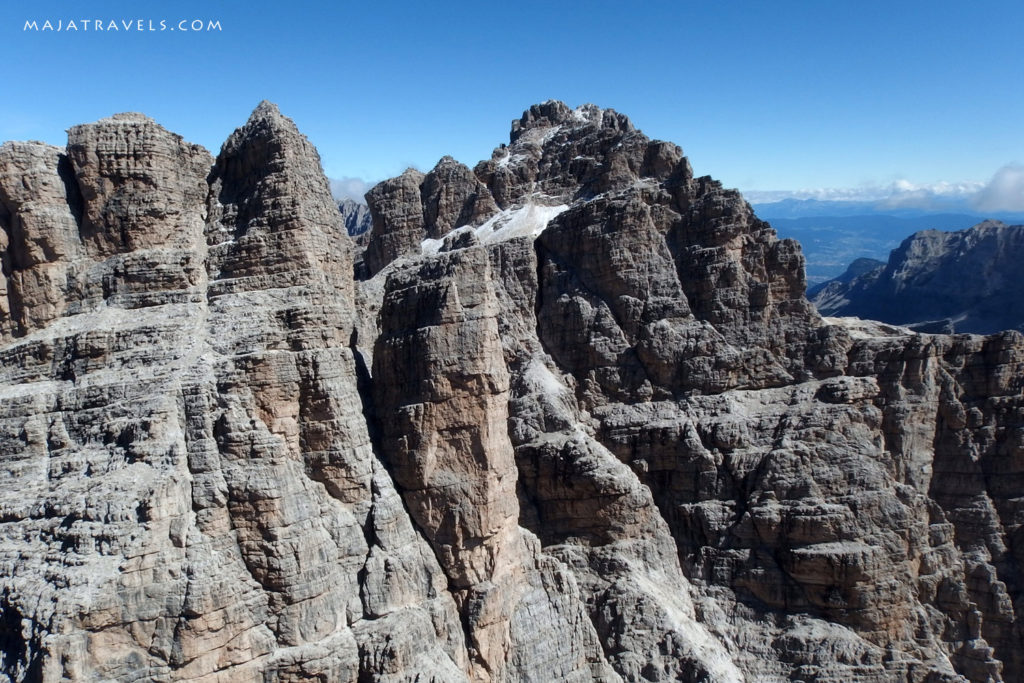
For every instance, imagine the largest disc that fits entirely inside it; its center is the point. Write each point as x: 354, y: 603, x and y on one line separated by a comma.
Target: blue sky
x: 762, y: 95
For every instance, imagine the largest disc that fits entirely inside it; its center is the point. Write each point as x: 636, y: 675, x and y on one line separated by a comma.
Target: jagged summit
x: 557, y: 157
x: 576, y: 422
x: 265, y: 123
x: 266, y: 109
x: 268, y: 114
x: 273, y: 197
x: 555, y: 113
x: 268, y: 128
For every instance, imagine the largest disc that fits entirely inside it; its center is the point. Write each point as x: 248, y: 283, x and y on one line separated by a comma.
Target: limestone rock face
x: 452, y: 196
x: 136, y: 178
x: 574, y: 420
x: 442, y: 396
x: 397, y: 210
x: 414, y: 207
x: 40, y: 203
x: 116, y: 218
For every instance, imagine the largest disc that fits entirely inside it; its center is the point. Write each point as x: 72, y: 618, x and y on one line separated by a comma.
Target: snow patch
x: 586, y: 113
x: 509, y: 159
x: 538, y: 136
x: 867, y: 329
x: 431, y: 246
x: 528, y: 220
x: 550, y: 133
x: 540, y: 377
x: 707, y: 649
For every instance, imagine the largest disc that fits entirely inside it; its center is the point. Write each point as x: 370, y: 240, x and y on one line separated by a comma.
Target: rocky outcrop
x: 100, y: 223
x: 414, y: 207
x: 442, y: 396
x: 397, y: 210
x: 936, y: 281
x: 219, y: 513
x: 574, y: 420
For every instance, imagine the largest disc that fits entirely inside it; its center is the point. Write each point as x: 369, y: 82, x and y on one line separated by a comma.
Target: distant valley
x: 834, y: 234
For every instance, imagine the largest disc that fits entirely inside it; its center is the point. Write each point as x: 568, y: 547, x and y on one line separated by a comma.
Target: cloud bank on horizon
x: 1003, y: 192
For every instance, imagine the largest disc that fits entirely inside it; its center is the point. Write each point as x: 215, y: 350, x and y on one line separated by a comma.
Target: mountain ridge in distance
x: 963, y: 281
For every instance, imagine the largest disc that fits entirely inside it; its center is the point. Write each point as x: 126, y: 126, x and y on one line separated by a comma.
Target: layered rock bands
x: 574, y: 420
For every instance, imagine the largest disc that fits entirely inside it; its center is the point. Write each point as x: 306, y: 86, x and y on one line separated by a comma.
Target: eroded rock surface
x: 574, y: 420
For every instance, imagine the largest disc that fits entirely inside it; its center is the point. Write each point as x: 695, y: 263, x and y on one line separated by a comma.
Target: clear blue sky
x: 762, y: 95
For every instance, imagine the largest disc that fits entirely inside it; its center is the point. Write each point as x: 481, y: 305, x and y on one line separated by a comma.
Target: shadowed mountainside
x: 966, y: 281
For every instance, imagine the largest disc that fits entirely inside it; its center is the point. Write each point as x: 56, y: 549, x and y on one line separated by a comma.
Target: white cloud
x: 349, y: 188
x: 1005, y: 192
x: 902, y: 194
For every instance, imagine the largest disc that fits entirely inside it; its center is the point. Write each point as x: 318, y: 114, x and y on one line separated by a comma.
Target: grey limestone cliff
x: 575, y: 420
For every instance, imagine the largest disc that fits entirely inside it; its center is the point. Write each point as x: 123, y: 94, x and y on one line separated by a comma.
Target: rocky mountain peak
x: 557, y: 156
x: 570, y: 154
x: 544, y: 115
x: 446, y: 161
x: 141, y: 187
x: 271, y: 175
x: 556, y: 114
x: 272, y: 213
x: 356, y: 216
x: 266, y: 110
x: 266, y: 122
